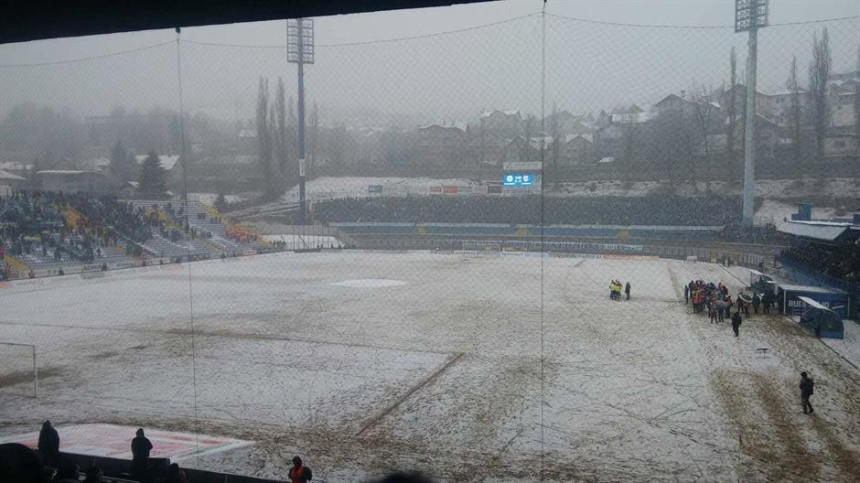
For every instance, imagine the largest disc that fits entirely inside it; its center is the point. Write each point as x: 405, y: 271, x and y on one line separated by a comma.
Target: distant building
x: 575, y: 149
x: 10, y: 182
x: 507, y: 124
x: 69, y: 181
x: 439, y: 145
x: 839, y: 145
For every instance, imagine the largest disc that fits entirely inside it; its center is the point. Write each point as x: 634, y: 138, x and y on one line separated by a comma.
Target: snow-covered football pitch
x: 467, y: 367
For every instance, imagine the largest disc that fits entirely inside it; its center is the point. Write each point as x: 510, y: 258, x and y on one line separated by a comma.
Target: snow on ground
x: 327, y: 187
x: 849, y: 347
x: 441, y: 373
x: 773, y: 212
x: 299, y: 242
x: 209, y: 198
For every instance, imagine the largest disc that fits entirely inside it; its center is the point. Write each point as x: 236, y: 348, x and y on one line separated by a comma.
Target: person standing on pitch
x: 140, y: 448
x: 627, y: 290
x: 300, y: 473
x: 736, y: 322
x: 806, y: 389
x: 49, y: 444
x: 686, y: 294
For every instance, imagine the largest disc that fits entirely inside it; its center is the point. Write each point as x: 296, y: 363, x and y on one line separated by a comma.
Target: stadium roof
x: 40, y: 19
x: 816, y: 230
x: 810, y: 288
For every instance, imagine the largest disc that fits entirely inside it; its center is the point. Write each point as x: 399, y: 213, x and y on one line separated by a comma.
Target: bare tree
x: 857, y: 104
x: 314, y: 144
x: 529, y: 132
x: 264, y: 144
x: 483, y: 149
x: 819, y: 72
x: 704, y: 114
x: 795, y: 119
x: 556, y: 145
x: 279, y: 127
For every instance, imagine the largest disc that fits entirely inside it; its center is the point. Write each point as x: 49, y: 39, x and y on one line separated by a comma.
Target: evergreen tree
x: 221, y: 202
x: 152, y: 182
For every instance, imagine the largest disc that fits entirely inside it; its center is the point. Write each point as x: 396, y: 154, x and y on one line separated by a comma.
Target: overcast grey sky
x: 589, y: 66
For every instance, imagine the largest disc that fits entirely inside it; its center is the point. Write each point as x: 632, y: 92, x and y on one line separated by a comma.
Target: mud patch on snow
x: 26, y: 377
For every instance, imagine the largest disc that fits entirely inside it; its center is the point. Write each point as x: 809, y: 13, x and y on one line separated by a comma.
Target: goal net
x: 18, y: 369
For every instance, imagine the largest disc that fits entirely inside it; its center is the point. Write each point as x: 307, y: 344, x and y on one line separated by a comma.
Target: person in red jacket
x: 299, y: 473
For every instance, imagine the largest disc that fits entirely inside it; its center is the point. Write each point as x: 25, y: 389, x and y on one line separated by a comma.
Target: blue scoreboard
x: 518, y: 179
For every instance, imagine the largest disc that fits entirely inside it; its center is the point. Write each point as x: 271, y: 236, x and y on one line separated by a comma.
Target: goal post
x: 18, y: 368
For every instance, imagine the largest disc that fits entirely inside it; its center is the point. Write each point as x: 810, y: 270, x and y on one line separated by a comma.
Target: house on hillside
x: 440, y: 145
x: 575, y: 149
x: 520, y: 150
x: 841, y: 145
x: 10, y: 182
x: 73, y: 181
x: 775, y: 106
x: 507, y: 124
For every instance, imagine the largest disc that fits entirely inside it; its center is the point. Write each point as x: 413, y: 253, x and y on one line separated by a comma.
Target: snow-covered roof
x: 607, y: 159
x: 167, y: 160
x: 508, y: 112
x: 571, y: 137
x: 808, y: 288
x: 10, y: 176
x: 818, y: 230
x: 439, y: 125
x: 522, y: 166
x: 61, y: 171
x: 812, y: 303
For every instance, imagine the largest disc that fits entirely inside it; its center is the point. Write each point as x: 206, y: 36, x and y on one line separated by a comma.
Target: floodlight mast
x: 300, y: 51
x: 750, y: 15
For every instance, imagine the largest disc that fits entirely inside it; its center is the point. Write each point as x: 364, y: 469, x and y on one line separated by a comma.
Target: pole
x: 35, y: 375
x: 749, y: 144
x: 303, y: 207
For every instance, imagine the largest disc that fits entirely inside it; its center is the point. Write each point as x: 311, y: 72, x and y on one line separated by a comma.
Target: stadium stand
x: 45, y: 233
x: 531, y: 209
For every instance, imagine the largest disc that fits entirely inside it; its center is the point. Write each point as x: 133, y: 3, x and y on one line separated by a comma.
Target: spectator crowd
x: 534, y: 209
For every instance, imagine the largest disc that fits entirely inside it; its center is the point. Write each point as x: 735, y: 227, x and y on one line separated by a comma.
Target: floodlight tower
x: 300, y: 51
x: 749, y: 16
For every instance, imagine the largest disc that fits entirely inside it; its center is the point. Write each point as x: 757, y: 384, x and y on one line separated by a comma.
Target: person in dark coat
x: 736, y: 322
x: 299, y: 473
x: 140, y: 448
x: 627, y: 290
x: 176, y: 474
x: 756, y: 300
x: 49, y: 444
x: 766, y: 302
x: 686, y: 294
x: 806, y: 389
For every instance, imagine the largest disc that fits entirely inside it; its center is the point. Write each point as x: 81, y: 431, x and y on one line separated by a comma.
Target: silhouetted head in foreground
x: 139, y: 432
x: 297, y: 461
x: 405, y: 477
x: 21, y: 464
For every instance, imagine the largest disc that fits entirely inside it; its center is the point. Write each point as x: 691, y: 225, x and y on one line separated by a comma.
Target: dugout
x: 762, y: 283
x: 790, y: 303
x: 820, y: 320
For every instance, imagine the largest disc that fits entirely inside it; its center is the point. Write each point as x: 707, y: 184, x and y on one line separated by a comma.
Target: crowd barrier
x: 121, y: 468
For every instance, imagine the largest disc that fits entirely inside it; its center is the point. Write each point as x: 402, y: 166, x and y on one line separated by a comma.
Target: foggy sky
x: 444, y: 77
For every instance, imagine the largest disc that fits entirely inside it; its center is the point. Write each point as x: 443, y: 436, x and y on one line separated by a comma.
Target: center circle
x: 369, y: 283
